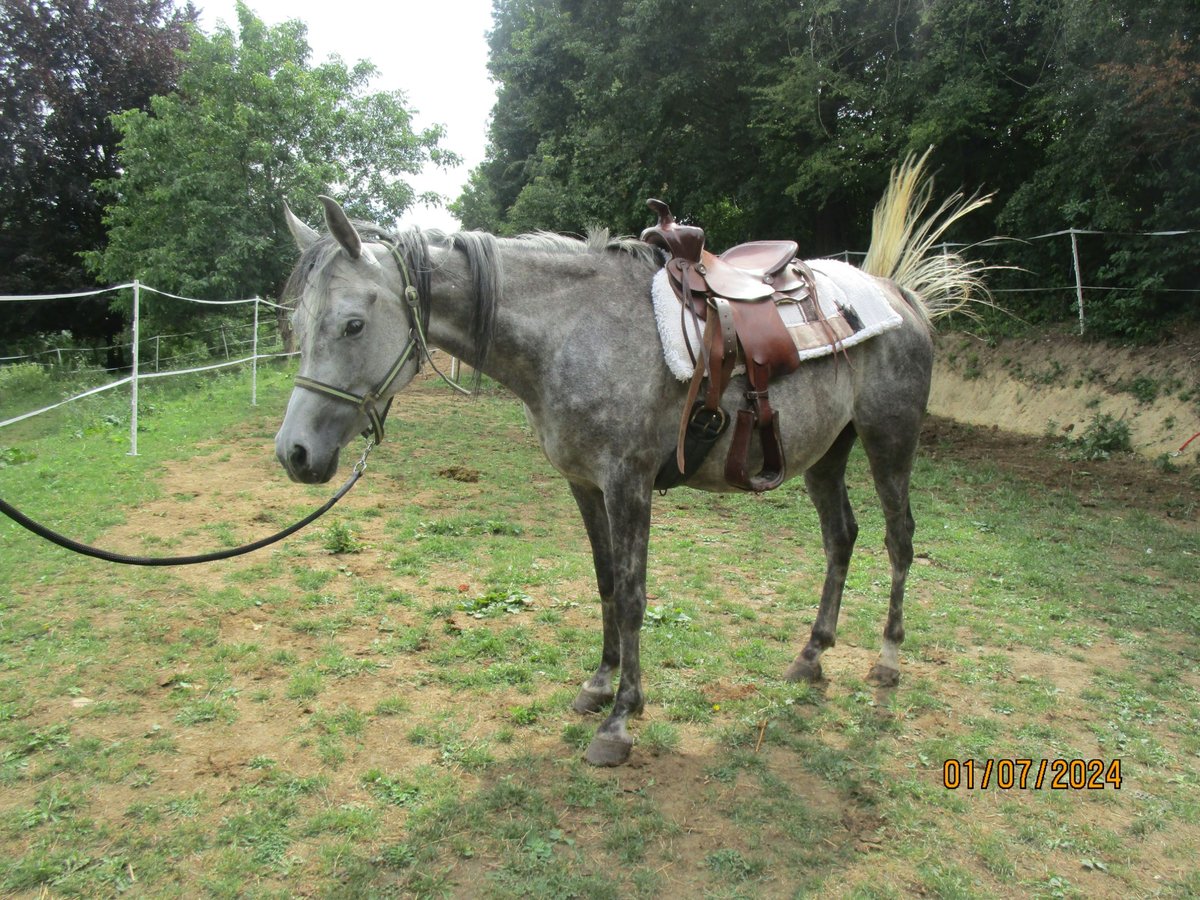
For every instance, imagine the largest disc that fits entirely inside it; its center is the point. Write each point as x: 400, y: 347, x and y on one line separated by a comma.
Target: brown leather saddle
x: 736, y: 295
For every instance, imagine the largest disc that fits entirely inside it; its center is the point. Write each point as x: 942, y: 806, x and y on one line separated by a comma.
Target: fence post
x: 1078, y: 275
x: 254, y: 359
x: 133, y: 392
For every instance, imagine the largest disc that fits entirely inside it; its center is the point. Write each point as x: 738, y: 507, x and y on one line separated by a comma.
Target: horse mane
x: 598, y: 240
x: 312, y: 272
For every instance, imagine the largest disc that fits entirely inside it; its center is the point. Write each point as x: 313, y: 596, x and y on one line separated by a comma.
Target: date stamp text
x: 1032, y: 774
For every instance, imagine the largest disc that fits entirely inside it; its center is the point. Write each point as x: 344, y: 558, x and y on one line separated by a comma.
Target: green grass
x: 380, y: 705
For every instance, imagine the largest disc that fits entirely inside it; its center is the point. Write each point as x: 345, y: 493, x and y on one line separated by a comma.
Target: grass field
x: 380, y: 706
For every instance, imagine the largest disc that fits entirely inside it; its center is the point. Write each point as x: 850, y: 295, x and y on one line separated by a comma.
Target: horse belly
x: 813, y: 405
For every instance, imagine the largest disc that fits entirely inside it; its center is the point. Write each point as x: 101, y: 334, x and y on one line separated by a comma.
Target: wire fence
x: 240, y: 344
x: 1078, y: 277
x: 247, y: 343
x: 160, y: 351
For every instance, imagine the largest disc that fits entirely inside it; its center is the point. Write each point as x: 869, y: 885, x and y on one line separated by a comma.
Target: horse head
x: 355, y: 320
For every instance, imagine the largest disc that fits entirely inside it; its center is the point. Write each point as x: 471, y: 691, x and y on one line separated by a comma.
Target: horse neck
x: 544, y: 298
x: 450, y: 306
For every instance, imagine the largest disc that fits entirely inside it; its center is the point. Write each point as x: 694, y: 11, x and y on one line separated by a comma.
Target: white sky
x: 433, y: 50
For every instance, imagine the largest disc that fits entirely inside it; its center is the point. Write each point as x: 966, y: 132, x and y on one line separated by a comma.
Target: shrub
x: 23, y: 378
x: 1104, y: 436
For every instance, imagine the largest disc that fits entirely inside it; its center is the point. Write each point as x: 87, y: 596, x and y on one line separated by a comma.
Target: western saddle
x: 742, y: 287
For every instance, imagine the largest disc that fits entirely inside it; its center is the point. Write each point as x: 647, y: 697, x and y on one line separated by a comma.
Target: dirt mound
x: 1061, y: 383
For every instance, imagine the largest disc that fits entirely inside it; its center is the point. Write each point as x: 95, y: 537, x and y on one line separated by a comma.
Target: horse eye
x: 353, y: 327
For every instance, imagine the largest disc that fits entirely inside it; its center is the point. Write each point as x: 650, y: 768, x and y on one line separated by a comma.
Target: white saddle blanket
x: 840, y: 287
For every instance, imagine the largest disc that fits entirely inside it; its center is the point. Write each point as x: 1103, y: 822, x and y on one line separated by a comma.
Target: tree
x: 754, y: 129
x: 761, y: 120
x: 1119, y: 151
x: 197, y: 207
x: 65, y: 67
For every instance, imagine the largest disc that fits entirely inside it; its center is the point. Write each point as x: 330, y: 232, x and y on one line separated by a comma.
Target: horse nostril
x: 297, y: 457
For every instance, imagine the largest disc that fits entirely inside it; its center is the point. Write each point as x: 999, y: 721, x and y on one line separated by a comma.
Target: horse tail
x: 903, y: 241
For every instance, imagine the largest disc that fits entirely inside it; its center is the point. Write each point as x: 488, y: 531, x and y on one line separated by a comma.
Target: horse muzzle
x: 311, y: 437
x: 302, y: 464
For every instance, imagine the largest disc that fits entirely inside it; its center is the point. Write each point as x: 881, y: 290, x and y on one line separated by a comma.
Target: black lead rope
x: 108, y: 556
x: 366, y: 403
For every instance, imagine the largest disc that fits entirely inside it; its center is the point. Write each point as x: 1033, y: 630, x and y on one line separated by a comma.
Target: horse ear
x: 304, y: 236
x: 340, y: 227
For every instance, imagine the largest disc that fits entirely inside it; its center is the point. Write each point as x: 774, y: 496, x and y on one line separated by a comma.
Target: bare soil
x: 1058, y: 382
x: 676, y: 782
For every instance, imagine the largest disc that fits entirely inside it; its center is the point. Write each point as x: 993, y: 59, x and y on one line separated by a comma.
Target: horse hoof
x: 803, y: 670
x: 608, y: 750
x: 589, y: 700
x: 883, y: 676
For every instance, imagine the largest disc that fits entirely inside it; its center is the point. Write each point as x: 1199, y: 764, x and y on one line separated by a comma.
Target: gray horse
x: 566, y: 325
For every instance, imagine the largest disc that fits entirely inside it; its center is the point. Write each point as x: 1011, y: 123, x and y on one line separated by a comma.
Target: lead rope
x: 108, y: 556
x: 367, y: 404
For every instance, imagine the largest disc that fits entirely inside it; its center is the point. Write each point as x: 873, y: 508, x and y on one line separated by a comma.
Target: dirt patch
x: 1058, y: 383
x: 1128, y: 479
x: 263, y: 605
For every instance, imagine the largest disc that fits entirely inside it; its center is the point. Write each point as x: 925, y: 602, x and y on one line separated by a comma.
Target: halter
x: 368, y: 403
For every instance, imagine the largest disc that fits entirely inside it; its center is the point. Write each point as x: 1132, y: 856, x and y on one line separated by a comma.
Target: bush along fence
x: 251, y: 349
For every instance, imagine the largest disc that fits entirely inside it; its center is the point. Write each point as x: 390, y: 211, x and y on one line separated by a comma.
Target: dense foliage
x: 197, y: 207
x: 753, y: 118
x: 757, y: 119
x: 65, y: 67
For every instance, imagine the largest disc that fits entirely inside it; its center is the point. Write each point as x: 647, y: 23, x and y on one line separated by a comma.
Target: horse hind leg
x: 891, y: 459
x: 826, y: 483
x: 900, y: 528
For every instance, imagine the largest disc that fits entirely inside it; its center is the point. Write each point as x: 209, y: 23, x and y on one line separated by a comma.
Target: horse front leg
x: 596, y: 693
x: 629, y: 537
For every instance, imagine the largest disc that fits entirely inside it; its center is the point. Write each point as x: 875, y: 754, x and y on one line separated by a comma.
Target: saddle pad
x: 852, y: 301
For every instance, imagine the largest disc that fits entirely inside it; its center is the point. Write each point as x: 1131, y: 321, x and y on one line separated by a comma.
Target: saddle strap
x: 769, y: 352
x: 774, y: 467
x: 718, y: 361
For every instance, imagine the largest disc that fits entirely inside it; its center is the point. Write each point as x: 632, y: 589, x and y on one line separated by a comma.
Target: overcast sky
x: 436, y: 52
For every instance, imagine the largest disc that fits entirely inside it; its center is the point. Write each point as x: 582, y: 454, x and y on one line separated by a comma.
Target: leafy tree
x: 604, y: 104
x: 1119, y: 151
x: 65, y: 67
x: 197, y: 208
x: 765, y: 121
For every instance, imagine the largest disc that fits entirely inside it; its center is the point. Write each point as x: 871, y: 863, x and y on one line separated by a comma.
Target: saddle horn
x: 683, y: 241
